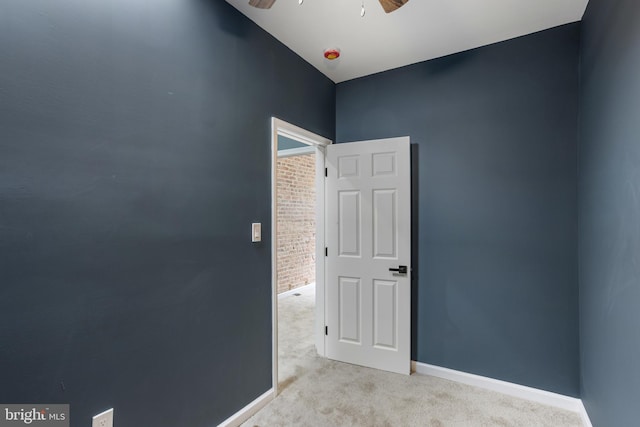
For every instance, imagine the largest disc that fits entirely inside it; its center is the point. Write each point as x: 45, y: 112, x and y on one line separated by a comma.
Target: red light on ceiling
x: 332, y: 54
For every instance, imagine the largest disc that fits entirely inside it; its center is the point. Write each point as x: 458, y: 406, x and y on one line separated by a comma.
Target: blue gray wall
x: 285, y: 143
x: 495, y: 202
x: 609, y: 211
x: 123, y: 243
x: 134, y: 154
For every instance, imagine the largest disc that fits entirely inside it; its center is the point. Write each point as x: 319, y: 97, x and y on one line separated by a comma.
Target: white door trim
x: 280, y: 127
x: 296, y: 151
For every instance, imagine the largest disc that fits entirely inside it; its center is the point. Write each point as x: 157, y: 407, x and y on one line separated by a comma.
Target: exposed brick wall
x: 296, y: 221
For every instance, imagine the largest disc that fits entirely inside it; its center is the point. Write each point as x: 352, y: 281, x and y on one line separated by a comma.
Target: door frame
x: 280, y: 127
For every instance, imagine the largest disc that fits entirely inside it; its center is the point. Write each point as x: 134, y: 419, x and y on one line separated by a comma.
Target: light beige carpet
x: 320, y: 392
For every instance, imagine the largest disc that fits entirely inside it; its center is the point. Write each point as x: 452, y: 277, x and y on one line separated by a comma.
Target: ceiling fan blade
x: 391, y: 5
x: 262, y: 4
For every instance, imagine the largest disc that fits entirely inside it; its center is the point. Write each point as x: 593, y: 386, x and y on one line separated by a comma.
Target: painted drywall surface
x: 285, y: 143
x: 495, y: 131
x: 134, y: 155
x: 609, y: 212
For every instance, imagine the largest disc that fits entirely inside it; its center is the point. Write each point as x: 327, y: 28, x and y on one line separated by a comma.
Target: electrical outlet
x: 104, y: 419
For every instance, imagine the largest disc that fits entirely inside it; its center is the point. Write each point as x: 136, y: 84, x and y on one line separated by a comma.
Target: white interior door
x: 368, y: 235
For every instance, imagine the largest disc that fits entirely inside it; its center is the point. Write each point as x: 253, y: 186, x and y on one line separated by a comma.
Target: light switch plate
x: 256, y: 232
x: 104, y: 419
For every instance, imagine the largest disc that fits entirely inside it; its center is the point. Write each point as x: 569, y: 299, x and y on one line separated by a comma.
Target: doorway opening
x: 296, y: 199
x: 297, y: 228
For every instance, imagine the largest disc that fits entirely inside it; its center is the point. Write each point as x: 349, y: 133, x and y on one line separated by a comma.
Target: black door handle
x: 402, y: 269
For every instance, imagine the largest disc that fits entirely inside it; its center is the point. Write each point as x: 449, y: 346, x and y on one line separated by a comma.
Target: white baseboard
x: 248, y: 411
x: 294, y: 290
x: 529, y: 393
x: 585, y: 416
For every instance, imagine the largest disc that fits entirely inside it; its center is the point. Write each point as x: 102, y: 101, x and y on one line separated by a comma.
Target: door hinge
x: 326, y: 330
x: 326, y: 172
x: 326, y: 251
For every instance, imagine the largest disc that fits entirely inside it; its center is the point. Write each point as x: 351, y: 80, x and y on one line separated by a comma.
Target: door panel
x: 368, y: 204
x: 385, y: 242
x: 385, y: 314
x: 384, y: 164
x: 349, y: 309
x: 349, y: 224
x: 348, y: 167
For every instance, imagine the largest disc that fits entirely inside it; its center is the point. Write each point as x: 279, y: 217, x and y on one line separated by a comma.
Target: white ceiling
x: 420, y: 30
